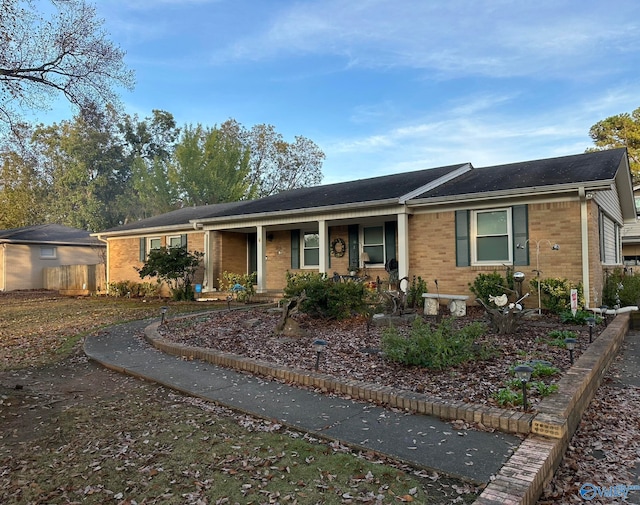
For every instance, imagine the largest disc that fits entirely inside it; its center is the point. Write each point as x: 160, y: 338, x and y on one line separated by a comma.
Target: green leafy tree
x: 211, y: 165
x: 84, y: 170
x: 149, y: 146
x: 52, y: 51
x: 174, y: 265
x: 621, y: 130
x: 21, y: 191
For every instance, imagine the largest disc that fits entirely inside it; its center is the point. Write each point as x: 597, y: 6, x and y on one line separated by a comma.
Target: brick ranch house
x: 448, y: 223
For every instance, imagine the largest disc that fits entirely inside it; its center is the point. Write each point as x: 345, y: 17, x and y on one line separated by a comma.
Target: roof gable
x: 600, y: 166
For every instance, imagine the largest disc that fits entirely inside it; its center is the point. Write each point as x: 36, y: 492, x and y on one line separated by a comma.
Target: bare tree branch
x: 67, y: 53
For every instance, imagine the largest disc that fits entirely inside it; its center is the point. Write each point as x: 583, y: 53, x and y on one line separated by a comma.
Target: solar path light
x: 523, y: 372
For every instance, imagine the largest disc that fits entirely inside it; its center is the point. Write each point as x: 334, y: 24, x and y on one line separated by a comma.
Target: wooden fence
x: 75, y: 279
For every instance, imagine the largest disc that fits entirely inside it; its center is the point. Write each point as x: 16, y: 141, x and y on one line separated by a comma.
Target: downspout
x: 584, y: 240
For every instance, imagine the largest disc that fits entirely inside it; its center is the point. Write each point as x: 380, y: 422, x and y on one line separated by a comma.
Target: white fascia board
x: 298, y: 214
x: 434, y: 184
x: 157, y: 230
x: 512, y: 193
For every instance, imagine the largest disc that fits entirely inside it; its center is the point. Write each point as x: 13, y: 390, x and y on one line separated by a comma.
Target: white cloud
x: 449, y: 38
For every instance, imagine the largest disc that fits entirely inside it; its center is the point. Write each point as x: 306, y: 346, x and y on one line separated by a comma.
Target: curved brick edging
x: 531, y: 467
x: 522, y: 478
x: 508, y: 421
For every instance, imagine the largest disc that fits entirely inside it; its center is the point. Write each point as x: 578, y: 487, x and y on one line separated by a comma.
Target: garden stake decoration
x: 554, y: 247
x: 163, y: 312
x: 571, y: 345
x: 523, y: 372
x: 591, y: 322
x: 319, y: 346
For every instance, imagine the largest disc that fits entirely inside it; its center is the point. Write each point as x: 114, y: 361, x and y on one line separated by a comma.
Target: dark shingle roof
x: 576, y: 169
x: 178, y: 217
x: 360, y: 191
x: 376, y: 189
x: 49, y: 234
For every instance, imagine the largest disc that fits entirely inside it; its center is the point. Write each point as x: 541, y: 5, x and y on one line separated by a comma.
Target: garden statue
x: 505, y: 317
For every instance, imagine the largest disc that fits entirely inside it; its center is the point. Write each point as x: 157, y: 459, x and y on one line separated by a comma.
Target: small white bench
x: 457, y: 303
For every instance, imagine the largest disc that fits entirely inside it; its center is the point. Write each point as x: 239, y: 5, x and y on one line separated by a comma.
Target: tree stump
x: 288, y: 326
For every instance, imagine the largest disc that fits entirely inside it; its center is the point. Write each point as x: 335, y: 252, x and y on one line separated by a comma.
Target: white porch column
x: 207, y: 281
x: 403, y: 245
x: 323, y: 234
x: 261, y: 242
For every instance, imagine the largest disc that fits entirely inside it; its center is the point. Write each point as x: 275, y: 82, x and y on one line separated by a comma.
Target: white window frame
x: 303, y: 264
x: 173, y: 237
x: 383, y: 244
x: 149, y: 242
x: 474, y: 237
x: 44, y: 255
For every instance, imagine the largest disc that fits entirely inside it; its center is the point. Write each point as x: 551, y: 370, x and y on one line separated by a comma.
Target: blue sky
x: 385, y: 86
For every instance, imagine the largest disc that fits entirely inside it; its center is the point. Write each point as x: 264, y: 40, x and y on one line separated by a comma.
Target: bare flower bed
x: 353, y: 350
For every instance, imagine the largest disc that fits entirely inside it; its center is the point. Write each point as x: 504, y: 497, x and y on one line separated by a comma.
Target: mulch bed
x: 351, y: 350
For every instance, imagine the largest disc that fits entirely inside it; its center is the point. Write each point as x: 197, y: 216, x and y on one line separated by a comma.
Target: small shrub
x: 326, y: 298
x: 544, y: 389
x: 486, y: 285
x: 556, y: 293
x: 506, y: 397
x: 436, y: 348
x: 621, y: 289
x: 540, y: 369
x: 558, y: 336
x: 581, y: 316
x: 414, y: 293
x: 247, y: 282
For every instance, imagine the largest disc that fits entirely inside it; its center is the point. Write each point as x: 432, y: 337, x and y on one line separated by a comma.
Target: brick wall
x: 432, y: 253
x: 124, y: 256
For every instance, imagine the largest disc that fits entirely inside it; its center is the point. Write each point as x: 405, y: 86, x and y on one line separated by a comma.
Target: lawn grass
x: 78, y: 433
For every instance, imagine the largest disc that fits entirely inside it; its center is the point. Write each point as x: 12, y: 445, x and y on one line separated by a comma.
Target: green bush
x: 556, y: 293
x: 581, y: 316
x: 486, y: 285
x: 230, y: 281
x: 620, y: 289
x: 328, y: 299
x: 437, y: 348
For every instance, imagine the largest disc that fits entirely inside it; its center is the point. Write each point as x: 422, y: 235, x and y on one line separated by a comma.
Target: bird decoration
x: 500, y: 301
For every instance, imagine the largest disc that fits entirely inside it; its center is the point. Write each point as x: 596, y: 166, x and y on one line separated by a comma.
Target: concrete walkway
x: 420, y: 440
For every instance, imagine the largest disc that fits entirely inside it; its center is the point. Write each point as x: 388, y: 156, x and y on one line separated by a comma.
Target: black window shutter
x: 354, y: 256
x: 520, y: 218
x: 143, y: 249
x: 295, y: 248
x: 463, y: 252
x: 390, y: 240
x: 183, y: 240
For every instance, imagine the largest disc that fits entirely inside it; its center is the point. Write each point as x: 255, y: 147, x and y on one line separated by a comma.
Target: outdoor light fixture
x: 571, y: 345
x: 518, y: 277
x: 554, y: 247
x: 163, y: 312
x: 523, y: 372
x: 603, y: 311
x: 591, y: 322
x: 319, y: 346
